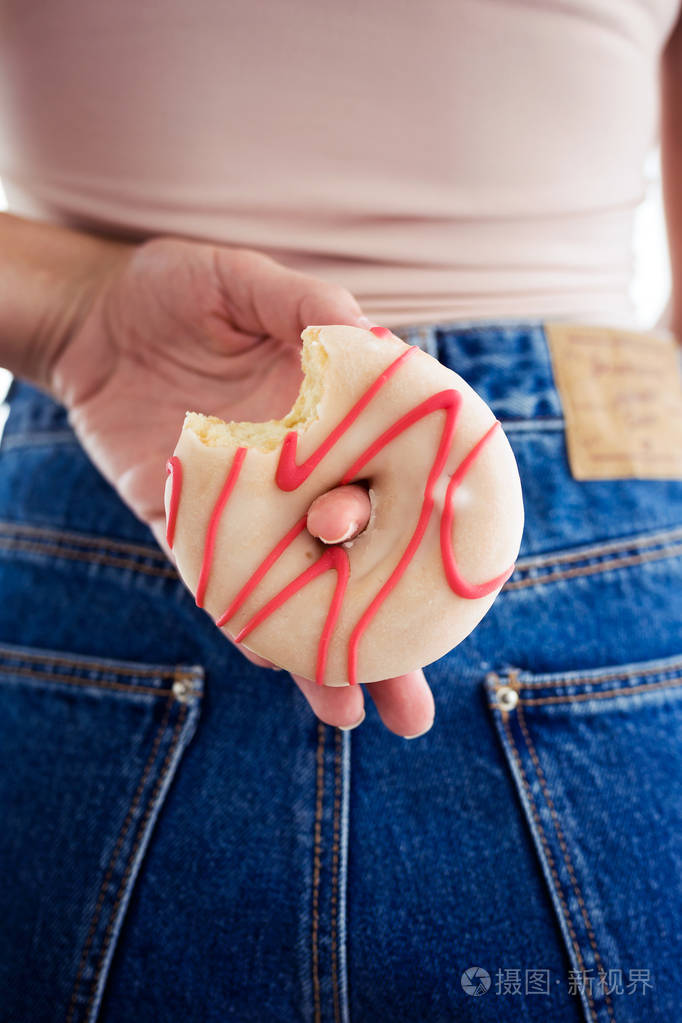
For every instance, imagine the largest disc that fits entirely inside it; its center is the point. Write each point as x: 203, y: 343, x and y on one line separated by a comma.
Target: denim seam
x: 84, y: 539
x: 642, y: 540
x: 565, y: 852
x: 604, y: 566
x: 131, y: 860
x: 32, y: 547
x: 606, y: 676
x: 114, y: 856
x: 75, y: 680
x: 317, y: 864
x: 581, y: 697
x: 13, y: 441
x: 343, y: 873
x: 537, y: 424
x: 113, y: 561
x: 555, y: 880
x: 87, y: 665
x: 335, y: 874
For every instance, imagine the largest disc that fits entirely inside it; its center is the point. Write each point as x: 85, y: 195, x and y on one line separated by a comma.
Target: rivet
x: 182, y: 690
x: 507, y: 698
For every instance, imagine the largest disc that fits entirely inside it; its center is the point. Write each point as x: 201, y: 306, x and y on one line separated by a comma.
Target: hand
x: 175, y: 325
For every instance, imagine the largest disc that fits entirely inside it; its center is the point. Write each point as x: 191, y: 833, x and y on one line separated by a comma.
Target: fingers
x: 405, y: 704
x: 340, y: 514
x: 342, y: 706
x: 262, y: 296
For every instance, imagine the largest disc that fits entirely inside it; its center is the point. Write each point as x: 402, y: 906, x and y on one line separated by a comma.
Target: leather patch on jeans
x: 621, y: 392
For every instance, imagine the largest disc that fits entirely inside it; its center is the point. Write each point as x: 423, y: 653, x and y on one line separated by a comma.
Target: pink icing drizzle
x: 174, y: 470
x: 457, y: 583
x: 262, y: 569
x: 335, y: 558
x: 289, y: 476
x: 214, y: 522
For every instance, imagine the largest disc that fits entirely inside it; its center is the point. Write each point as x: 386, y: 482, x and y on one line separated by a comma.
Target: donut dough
x: 444, y: 531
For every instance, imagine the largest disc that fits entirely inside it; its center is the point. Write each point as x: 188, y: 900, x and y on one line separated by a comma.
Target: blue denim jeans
x: 181, y: 839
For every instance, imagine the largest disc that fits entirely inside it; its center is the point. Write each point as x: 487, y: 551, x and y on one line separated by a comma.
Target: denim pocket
x: 596, y: 758
x: 89, y: 748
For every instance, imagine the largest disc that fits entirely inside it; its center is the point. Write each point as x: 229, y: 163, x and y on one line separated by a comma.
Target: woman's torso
x: 443, y: 161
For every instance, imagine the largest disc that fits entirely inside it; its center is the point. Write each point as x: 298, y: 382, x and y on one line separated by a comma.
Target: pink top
x: 449, y: 160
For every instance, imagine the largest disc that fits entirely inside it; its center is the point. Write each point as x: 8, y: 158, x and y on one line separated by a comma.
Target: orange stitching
x: 597, y: 550
x: 566, y: 855
x: 140, y: 834
x: 606, y: 676
x: 75, y: 662
x: 603, y: 695
x: 86, y: 539
x: 605, y: 566
x: 73, y: 680
x: 112, y: 861
x: 550, y: 859
x: 99, y: 559
x: 316, y: 869
x: 335, y: 873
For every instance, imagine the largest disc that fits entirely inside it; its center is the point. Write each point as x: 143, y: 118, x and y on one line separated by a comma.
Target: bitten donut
x: 444, y: 530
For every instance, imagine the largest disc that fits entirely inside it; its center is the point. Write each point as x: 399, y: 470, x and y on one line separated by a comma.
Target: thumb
x: 265, y: 297
x: 339, y: 514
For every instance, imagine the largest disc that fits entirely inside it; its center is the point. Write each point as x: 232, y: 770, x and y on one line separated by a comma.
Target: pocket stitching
x: 74, y: 680
x: 33, y: 547
x: 603, y: 695
x: 85, y: 539
x: 131, y: 859
x: 564, y: 849
x: 548, y: 853
x: 602, y: 567
x: 317, y: 864
x: 112, y: 861
x: 606, y: 676
x: 335, y: 875
x: 105, y: 667
x: 582, y: 553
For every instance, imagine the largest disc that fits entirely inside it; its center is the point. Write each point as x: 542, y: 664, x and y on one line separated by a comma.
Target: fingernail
x: 417, y: 734
x: 364, y: 321
x: 352, y: 528
x: 349, y: 728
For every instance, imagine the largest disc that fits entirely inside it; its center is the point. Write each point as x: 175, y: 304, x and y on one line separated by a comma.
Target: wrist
x: 49, y: 278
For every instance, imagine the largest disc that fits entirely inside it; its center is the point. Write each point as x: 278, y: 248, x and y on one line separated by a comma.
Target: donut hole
x: 366, y: 484
x: 336, y: 515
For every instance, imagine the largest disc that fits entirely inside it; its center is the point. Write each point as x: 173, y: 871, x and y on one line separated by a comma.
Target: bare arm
x: 48, y: 277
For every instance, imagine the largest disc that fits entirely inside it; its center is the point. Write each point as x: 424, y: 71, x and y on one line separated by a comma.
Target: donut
x: 443, y: 534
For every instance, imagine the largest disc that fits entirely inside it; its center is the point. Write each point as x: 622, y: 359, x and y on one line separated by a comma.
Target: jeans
x: 182, y: 840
